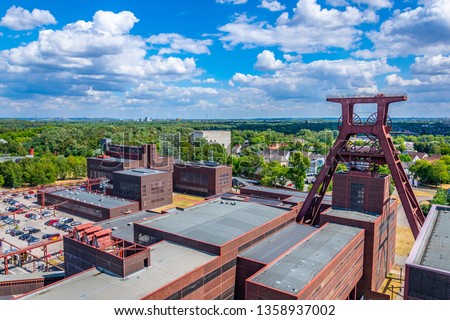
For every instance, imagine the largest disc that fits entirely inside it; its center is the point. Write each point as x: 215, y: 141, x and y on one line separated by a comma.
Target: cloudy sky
x: 220, y: 58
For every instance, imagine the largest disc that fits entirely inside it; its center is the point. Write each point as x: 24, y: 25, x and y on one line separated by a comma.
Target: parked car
x: 50, y: 222
x: 51, y: 236
x: 75, y: 223
x: 58, y: 225
x: 11, y: 221
x: 15, y: 233
x: 36, y: 216
x: 68, y: 220
x: 34, y: 230
x: 9, y: 231
x: 2, y: 218
x: 29, y: 215
x: 46, y: 214
x: 25, y: 236
x: 63, y: 219
x: 66, y: 228
x: 33, y: 240
x: 55, y: 236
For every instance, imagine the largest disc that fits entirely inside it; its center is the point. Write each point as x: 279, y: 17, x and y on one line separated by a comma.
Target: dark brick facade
x: 125, y: 259
x: 150, y: 190
x: 336, y: 281
x: 360, y: 191
x: 217, y: 280
x: 88, y: 210
x: 380, y: 234
x: 201, y: 180
x: 123, y: 157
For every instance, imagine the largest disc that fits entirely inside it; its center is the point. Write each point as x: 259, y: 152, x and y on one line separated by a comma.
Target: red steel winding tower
x: 380, y: 150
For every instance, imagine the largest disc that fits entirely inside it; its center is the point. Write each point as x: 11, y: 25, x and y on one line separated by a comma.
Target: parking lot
x: 23, y: 223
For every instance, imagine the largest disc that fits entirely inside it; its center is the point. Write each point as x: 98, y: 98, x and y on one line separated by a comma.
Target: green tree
x: 441, y: 197
x: 299, y: 164
x: 405, y: 157
x: 421, y: 170
x: 12, y: 174
x: 274, y: 174
x: 439, y: 173
x: 2, y: 181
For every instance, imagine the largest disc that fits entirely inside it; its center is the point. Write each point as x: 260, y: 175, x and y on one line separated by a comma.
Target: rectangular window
x: 357, y: 196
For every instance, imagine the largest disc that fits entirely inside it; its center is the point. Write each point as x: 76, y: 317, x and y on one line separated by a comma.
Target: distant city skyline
x: 221, y: 59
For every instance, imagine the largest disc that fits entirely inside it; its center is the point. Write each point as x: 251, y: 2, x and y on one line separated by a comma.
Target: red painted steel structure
x: 27, y: 250
x: 382, y: 151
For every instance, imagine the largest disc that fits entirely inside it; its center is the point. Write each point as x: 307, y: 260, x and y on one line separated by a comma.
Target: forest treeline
x: 60, y: 147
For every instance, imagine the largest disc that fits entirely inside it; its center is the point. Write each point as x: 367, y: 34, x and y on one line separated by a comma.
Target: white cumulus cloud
x: 18, y: 18
x: 176, y: 43
x: 89, y: 56
x: 266, y: 61
x: 114, y: 23
x: 318, y: 78
x: 310, y: 29
x: 272, y: 5
x: 396, y: 80
x: 424, y: 30
x: 378, y: 4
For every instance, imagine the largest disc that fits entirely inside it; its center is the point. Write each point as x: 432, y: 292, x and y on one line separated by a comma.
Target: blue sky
x: 220, y: 58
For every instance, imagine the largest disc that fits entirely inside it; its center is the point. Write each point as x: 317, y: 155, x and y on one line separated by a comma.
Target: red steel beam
x: 309, y: 212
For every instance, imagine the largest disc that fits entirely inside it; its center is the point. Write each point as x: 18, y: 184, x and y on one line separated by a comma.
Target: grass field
x: 404, y: 241
x: 182, y: 201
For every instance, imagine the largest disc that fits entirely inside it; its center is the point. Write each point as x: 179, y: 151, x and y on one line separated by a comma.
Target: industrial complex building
x: 241, y: 245
x: 260, y: 243
x: 151, y: 188
x: 204, y: 179
x: 124, y: 157
x: 87, y: 204
x: 428, y: 265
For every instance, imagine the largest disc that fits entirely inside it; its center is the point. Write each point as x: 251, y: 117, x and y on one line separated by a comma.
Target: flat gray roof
x: 270, y: 248
x: 113, y: 159
x: 297, y: 196
x: 139, y: 172
x: 298, y: 267
x: 217, y: 221
x: 31, y: 276
x: 262, y: 200
x: 355, y: 215
x: 92, y: 198
x: 432, y: 247
x: 169, y: 261
x: 122, y: 226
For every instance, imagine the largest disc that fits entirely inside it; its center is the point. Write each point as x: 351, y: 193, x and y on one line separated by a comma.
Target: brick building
x: 150, y: 188
x: 327, y: 266
x: 203, y: 179
x: 124, y: 157
x: 353, y: 192
x: 89, y: 205
x: 428, y: 265
x: 105, y: 166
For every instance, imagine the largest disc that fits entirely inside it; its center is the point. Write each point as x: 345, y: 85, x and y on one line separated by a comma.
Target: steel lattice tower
x: 380, y: 150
